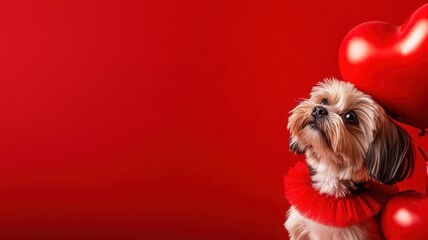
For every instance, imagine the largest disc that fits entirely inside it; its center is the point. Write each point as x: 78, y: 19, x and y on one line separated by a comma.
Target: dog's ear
x: 295, y: 147
x: 391, y: 156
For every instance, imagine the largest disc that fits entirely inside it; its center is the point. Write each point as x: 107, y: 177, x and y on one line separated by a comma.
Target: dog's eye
x: 324, y: 101
x: 351, y: 117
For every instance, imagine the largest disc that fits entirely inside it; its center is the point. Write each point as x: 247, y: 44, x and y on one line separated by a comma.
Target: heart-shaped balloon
x: 391, y: 64
x: 406, y: 217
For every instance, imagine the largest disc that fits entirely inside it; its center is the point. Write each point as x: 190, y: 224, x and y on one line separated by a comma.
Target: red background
x: 161, y: 119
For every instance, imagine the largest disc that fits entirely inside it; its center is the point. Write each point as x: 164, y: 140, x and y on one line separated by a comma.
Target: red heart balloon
x: 406, y: 217
x: 391, y: 64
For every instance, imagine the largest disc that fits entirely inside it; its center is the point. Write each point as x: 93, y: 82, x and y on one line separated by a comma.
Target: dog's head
x: 343, y: 127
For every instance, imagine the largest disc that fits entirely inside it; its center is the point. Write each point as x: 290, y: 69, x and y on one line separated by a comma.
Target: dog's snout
x: 319, y: 111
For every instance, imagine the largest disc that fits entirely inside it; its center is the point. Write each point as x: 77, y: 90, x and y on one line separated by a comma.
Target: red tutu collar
x: 344, y: 211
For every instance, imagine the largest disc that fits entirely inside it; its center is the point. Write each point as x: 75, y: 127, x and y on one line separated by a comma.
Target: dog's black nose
x: 319, y: 111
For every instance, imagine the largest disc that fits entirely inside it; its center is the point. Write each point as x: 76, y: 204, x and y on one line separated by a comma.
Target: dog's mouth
x: 315, y: 124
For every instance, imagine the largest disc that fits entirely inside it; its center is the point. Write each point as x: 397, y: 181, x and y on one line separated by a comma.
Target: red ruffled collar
x: 352, y: 209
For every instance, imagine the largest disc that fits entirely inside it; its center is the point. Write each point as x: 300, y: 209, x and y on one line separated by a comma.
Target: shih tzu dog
x: 348, y: 140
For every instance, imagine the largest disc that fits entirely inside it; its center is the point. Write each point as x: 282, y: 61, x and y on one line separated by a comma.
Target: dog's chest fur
x: 332, y: 178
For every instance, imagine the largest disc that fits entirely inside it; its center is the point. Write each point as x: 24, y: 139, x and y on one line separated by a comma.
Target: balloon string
x: 422, y: 132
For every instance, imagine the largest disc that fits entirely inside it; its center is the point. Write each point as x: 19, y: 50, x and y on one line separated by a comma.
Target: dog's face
x: 343, y: 127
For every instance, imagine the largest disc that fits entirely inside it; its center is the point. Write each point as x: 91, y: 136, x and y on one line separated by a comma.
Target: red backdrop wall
x: 162, y: 119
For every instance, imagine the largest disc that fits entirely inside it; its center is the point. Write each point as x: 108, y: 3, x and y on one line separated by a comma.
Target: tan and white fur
x: 347, y: 139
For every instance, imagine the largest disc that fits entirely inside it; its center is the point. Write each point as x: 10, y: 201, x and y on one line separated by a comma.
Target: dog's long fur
x: 343, y: 153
